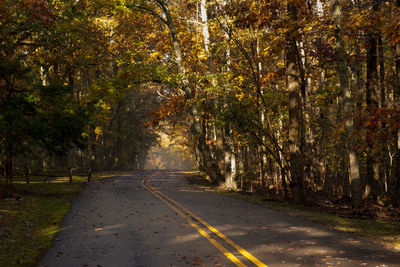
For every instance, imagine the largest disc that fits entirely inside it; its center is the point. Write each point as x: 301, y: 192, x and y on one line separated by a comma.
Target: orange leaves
x: 4, y: 10
x: 211, y: 142
x: 272, y: 77
x: 197, y: 262
x: 357, y: 21
x: 174, y: 105
x: 375, y: 119
x: 374, y: 126
x: 392, y: 28
x: 39, y: 11
x: 253, y: 13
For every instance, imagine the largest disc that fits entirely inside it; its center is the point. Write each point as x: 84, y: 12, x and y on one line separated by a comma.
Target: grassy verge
x: 106, y: 174
x: 381, y: 231
x: 30, y: 219
x: 65, y: 179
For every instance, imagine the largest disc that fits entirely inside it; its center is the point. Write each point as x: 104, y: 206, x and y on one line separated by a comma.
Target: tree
x: 294, y: 81
x: 341, y: 69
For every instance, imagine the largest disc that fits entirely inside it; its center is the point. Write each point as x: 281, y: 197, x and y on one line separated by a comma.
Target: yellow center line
x: 194, y: 225
x: 214, y: 230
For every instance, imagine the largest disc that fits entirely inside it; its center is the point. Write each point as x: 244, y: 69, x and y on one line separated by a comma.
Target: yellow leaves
x: 240, y: 95
x: 238, y: 81
x: 98, y: 131
x: 202, y: 57
x: 308, y: 28
x: 105, y: 23
x: 39, y: 50
x: 151, y: 35
x: 105, y: 106
x: 332, y: 40
x: 156, y: 55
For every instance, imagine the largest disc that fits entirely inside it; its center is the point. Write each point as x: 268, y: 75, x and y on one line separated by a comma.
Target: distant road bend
x: 158, y: 219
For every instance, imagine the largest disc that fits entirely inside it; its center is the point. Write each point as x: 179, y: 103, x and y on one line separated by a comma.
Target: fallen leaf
x: 197, y: 261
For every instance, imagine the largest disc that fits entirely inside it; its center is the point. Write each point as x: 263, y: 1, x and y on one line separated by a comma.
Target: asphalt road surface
x: 157, y: 219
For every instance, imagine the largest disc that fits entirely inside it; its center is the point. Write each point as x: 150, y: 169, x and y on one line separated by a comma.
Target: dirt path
x: 119, y: 222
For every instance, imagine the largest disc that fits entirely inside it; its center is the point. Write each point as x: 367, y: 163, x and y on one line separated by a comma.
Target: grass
x: 381, y: 231
x: 105, y: 174
x: 30, y: 220
x: 65, y: 179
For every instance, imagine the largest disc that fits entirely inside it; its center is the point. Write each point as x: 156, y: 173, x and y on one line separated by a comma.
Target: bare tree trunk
x: 219, y: 131
x: 204, y: 20
x: 385, y: 153
x: 9, y: 167
x: 294, y: 85
x: 372, y: 87
x: 354, y: 173
x: 382, y: 72
x: 262, y: 115
x: 230, y: 148
x: 396, y: 93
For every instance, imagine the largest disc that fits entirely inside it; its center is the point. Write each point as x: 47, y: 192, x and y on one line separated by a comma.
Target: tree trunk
x: 385, y: 169
x: 204, y: 20
x: 208, y: 165
x: 382, y: 72
x: 396, y: 93
x: 230, y: 147
x: 219, y: 150
x: 372, y: 87
x: 222, y: 150
x: 294, y: 86
x: 354, y: 172
x: 9, y: 167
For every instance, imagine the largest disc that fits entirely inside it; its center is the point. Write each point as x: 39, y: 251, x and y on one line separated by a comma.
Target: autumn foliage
x: 294, y: 99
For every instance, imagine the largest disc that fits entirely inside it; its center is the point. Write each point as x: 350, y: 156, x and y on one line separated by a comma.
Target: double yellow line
x: 175, y: 206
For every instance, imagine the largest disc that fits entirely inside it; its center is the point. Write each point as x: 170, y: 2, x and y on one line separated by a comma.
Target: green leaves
x: 62, y: 119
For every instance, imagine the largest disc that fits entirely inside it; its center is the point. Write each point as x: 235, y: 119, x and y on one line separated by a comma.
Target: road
x: 157, y: 219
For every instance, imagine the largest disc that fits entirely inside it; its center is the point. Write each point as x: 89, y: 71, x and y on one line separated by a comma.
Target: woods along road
x: 158, y: 219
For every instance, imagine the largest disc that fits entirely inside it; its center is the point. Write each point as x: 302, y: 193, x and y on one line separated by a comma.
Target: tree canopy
x: 294, y: 98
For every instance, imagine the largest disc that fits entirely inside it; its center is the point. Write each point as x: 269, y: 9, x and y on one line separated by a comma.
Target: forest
x: 295, y: 99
